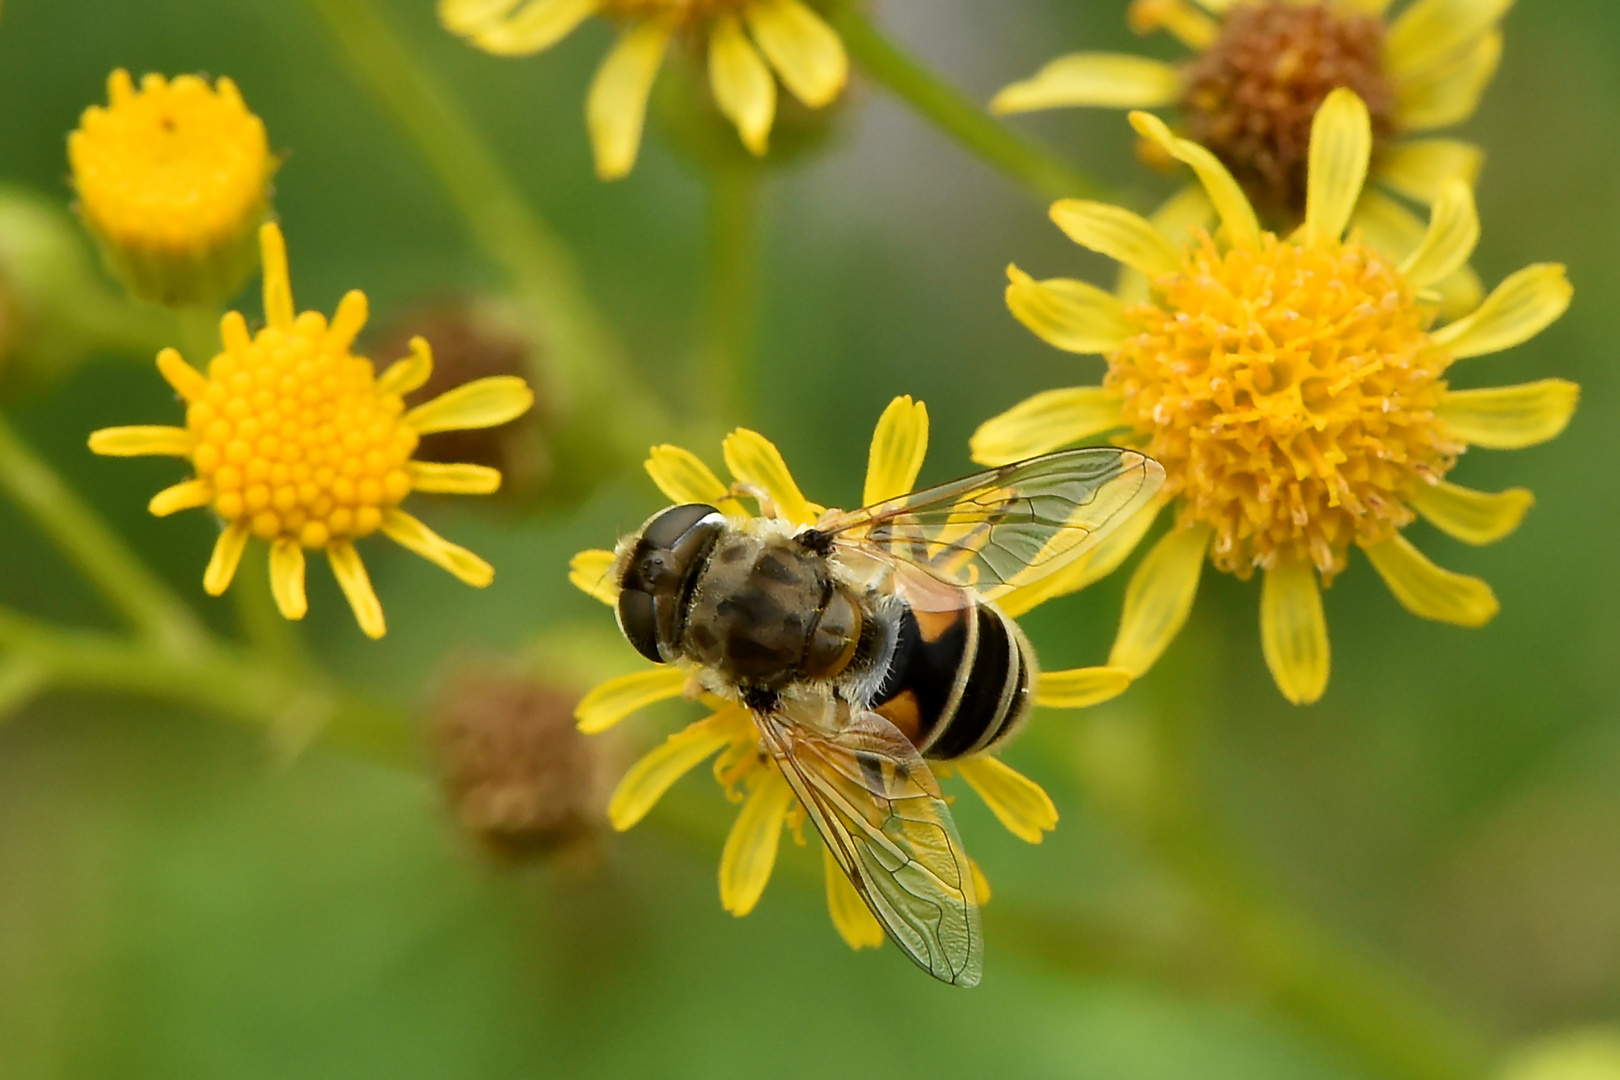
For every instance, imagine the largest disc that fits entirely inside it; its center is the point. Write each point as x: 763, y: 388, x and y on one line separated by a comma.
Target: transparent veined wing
x: 998, y: 530
x: 884, y: 819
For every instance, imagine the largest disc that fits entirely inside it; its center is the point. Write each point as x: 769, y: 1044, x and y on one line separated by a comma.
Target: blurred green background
x: 176, y: 900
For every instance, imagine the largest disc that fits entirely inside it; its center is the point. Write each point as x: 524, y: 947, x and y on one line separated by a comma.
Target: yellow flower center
x: 295, y: 437
x: 1290, y: 393
x: 177, y: 166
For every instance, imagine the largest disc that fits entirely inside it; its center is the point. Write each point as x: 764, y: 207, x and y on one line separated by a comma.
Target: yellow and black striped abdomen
x: 959, y: 682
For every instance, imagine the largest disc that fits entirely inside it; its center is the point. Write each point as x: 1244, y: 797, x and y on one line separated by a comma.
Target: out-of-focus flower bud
x: 1586, y: 1054
x: 518, y: 775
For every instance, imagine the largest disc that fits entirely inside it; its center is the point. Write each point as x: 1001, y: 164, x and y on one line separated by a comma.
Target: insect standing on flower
x: 870, y: 642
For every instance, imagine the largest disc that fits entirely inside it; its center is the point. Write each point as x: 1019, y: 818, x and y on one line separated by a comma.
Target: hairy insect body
x: 763, y: 611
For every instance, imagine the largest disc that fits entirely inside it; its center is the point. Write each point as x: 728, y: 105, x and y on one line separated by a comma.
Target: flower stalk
x: 727, y: 354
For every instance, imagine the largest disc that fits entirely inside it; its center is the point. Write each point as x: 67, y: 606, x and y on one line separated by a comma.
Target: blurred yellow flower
x: 1262, y: 70
x: 746, y: 41
x: 1294, y: 390
x: 297, y: 441
x: 174, y: 180
x: 748, y: 774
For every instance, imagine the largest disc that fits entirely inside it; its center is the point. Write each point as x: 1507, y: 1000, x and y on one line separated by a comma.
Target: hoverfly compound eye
x: 666, y: 529
x: 638, y: 620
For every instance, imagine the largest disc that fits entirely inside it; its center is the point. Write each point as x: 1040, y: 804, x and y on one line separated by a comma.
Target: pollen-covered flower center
x: 295, y: 438
x: 1290, y: 393
x: 1252, y: 96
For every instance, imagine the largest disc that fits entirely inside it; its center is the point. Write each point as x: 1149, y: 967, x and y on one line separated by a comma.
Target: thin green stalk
x: 535, y: 259
x: 731, y: 318
x: 133, y: 590
x: 1047, y: 177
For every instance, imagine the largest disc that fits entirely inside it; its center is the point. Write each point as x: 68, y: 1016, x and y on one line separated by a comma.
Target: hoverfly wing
x: 881, y: 813
x: 998, y: 530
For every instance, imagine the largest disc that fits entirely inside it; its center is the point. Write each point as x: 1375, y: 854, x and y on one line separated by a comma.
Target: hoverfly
x: 871, y: 642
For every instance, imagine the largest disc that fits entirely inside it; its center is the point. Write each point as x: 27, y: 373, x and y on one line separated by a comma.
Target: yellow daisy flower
x: 297, y: 441
x: 746, y: 41
x: 1262, y: 69
x: 747, y: 774
x: 1295, y: 391
x: 174, y: 180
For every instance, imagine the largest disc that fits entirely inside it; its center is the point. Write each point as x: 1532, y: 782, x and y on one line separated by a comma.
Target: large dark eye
x: 668, y: 527
x: 640, y: 626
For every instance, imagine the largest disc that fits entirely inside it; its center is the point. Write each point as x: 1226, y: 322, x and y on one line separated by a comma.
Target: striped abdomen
x: 959, y: 682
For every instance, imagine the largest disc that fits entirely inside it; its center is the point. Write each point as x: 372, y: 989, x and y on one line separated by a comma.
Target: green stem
x: 727, y: 357
x: 236, y: 685
x: 1046, y: 176
x: 536, y: 260
x: 127, y: 584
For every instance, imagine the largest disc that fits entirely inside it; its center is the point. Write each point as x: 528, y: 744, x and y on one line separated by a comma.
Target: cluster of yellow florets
x: 293, y: 433
x: 1290, y: 393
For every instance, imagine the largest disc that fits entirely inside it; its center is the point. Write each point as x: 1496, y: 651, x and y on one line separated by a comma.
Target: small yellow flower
x: 1264, y: 67
x: 174, y: 180
x: 297, y: 441
x: 1294, y: 390
x: 746, y: 40
x: 749, y: 775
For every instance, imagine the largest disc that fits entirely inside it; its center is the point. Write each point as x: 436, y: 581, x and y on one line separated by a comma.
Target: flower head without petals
x: 173, y: 179
x: 295, y: 440
x: 749, y: 44
x: 1295, y: 390
x: 728, y: 735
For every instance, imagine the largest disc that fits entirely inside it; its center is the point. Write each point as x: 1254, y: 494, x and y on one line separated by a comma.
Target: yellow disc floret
x: 173, y: 179
x: 1291, y: 394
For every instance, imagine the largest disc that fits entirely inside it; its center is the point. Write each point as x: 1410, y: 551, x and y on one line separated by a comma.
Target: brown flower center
x: 1252, y: 96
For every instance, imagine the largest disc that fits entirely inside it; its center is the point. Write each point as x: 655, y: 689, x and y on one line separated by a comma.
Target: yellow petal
x: 616, y: 107
x: 1450, y: 93
x: 356, y: 585
x: 536, y: 26
x: 851, y: 917
x: 899, y: 444
x: 1510, y: 417
x: 1186, y: 23
x: 1417, y: 168
x: 1242, y: 227
x: 1093, y: 566
x: 1394, y: 230
x: 754, y: 460
x: 750, y: 852
x: 981, y: 884
x: 233, y: 332
x: 1018, y: 802
x: 187, y: 495
x: 1072, y: 315
x: 653, y: 775
x: 347, y: 322
x: 287, y: 578
x: 453, y: 479
x: 465, y: 16
x: 1116, y: 232
x: 618, y: 697
x: 1474, y: 517
x: 408, y: 372
x: 140, y: 441
x: 1109, y: 80
x: 1431, y: 32
x: 481, y: 403
x: 187, y: 381
x: 223, y: 562
x: 1341, y: 145
x: 742, y: 84
x: 1178, y: 218
x: 1453, y: 232
x: 682, y: 476
x: 1159, y: 598
x: 1428, y: 591
x: 1524, y: 305
x: 1047, y: 421
x: 1293, y: 630
x: 1081, y: 688
x: 591, y: 572
x: 278, y: 297
x: 803, y: 49
x: 409, y: 533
